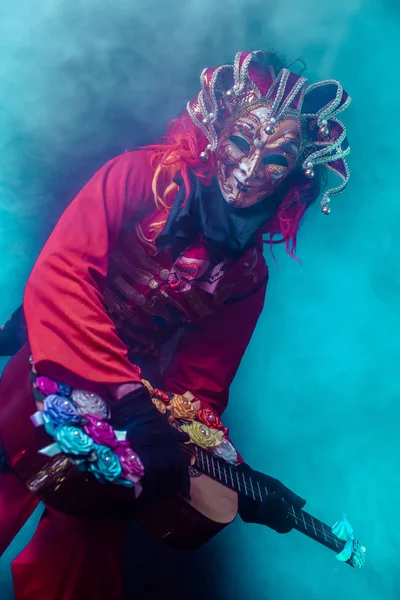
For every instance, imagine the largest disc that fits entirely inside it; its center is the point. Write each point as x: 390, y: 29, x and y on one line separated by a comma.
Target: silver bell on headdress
x: 229, y: 89
x: 205, y: 154
x: 208, y: 118
x: 270, y: 129
x: 233, y: 90
x: 309, y: 171
x: 324, y: 129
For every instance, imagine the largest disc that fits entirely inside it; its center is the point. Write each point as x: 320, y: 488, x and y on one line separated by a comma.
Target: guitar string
x: 311, y: 521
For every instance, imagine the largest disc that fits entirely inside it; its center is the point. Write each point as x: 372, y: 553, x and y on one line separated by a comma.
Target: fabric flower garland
x: 202, y: 424
x: 77, y: 420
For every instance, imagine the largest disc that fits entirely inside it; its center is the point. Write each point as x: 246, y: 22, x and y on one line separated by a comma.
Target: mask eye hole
x: 240, y: 143
x: 275, y: 159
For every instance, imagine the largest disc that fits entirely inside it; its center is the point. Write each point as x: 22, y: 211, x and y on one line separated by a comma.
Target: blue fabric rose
x: 61, y: 411
x: 73, y: 440
x: 107, y: 466
x: 64, y: 389
x: 49, y: 426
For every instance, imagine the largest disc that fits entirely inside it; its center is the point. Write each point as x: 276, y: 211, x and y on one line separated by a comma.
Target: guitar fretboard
x: 248, y: 484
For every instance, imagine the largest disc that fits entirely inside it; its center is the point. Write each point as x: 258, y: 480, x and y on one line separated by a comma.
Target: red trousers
x: 67, y: 558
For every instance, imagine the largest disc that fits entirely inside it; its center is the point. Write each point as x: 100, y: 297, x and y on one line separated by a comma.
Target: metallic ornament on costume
x: 201, y: 435
x: 160, y: 406
x: 52, y: 474
x: 230, y: 90
x: 227, y: 451
x: 182, y: 408
x: 89, y: 404
x: 153, y: 284
x: 185, y: 271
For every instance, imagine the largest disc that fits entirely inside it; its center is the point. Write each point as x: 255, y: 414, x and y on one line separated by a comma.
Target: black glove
x: 273, y: 510
x: 157, y: 443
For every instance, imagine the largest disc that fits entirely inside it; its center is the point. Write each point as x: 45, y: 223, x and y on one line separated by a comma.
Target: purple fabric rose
x: 132, y: 467
x: 101, y: 432
x: 60, y: 410
x: 47, y: 386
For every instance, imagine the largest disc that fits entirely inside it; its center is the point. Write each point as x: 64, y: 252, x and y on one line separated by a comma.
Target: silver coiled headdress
x: 233, y: 89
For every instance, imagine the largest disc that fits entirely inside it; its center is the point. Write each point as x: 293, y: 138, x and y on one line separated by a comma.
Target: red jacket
x: 100, y: 297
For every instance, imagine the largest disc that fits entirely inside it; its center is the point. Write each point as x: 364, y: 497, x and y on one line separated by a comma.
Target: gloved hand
x: 156, y: 442
x: 272, y: 511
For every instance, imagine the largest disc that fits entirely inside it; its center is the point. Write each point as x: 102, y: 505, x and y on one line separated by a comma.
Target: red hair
x: 180, y: 151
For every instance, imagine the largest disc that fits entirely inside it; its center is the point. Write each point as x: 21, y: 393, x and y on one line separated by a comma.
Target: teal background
x: 315, y: 402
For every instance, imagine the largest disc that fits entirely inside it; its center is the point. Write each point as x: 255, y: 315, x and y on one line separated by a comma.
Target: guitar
x: 186, y: 524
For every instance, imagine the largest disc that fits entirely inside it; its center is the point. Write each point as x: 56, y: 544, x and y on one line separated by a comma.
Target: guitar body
x: 185, y: 524
x: 188, y: 524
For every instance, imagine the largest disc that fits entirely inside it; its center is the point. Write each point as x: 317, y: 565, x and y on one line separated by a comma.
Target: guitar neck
x: 248, y: 484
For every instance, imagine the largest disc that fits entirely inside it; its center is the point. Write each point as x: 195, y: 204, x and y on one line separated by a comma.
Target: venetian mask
x: 251, y: 161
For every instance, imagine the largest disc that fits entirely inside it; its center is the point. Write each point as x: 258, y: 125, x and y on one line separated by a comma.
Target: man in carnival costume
x: 164, y: 245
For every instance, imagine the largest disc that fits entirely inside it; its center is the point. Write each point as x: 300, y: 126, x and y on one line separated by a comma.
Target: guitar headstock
x: 354, y: 553
x: 358, y: 556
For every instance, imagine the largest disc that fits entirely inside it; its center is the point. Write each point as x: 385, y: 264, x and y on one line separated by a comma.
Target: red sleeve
x: 69, y: 330
x: 210, y: 353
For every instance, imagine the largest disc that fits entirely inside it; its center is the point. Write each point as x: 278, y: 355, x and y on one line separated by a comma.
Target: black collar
x: 226, y: 229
